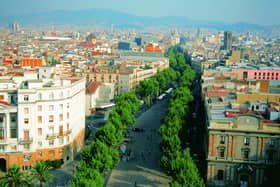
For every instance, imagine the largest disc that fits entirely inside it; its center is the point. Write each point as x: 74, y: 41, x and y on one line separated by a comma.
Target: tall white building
x: 40, y: 120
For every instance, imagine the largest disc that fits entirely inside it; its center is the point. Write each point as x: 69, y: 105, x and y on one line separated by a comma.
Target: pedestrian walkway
x: 140, y: 166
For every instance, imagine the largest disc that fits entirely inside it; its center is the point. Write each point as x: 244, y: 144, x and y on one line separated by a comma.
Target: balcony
x: 51, y: 136
x: 67, y: 132
x: 25, y: 140
x: 3, y: 141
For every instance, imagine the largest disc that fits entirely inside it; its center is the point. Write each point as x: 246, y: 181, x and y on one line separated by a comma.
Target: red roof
x: 31, y: 62
x: 5, y: 103
x: 272, y: 109
x: 91, y: 87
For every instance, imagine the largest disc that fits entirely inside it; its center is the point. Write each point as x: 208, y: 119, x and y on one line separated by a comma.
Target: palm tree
x: 40, y: 173
x: 14, y: 178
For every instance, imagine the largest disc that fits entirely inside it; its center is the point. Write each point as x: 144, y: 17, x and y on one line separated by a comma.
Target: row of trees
x: 39, y: 174
x: 177, y: 162
x: 150, y: 89
x: 102, y: 154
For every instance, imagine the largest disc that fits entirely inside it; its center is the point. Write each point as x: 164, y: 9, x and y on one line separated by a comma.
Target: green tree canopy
x: 86, y: 177
x: 40, y: 173
x: 14, y: 178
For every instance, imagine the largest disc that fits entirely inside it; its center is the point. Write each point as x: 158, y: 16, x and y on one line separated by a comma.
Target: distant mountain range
x: 120, y: 19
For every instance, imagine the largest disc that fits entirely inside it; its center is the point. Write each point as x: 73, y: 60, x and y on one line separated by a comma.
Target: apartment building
x: 40, y: 120
x: 240, y: 148
x: 242, y: 122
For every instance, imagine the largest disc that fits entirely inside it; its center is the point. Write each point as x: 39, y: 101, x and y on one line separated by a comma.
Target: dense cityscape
x: 123, y: 106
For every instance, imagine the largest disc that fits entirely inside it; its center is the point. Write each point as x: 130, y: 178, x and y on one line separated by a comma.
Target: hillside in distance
x: 107, y: 17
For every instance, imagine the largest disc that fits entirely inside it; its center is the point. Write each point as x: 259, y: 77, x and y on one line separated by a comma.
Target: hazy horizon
x: 250, y: 11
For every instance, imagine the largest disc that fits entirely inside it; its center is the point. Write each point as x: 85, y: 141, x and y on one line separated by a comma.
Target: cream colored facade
x: 47, y: 121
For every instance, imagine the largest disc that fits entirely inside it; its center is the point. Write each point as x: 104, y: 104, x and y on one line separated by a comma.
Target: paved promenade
x: 141, y: 168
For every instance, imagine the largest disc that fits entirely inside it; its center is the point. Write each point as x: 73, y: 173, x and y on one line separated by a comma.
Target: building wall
x: 54, y: 117
x: 232, y: 161
x: 257, y: 74
x: 243, y: 97
x: 65, y: 152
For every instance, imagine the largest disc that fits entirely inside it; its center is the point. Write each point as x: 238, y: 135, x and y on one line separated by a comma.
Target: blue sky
x: 251, y: 11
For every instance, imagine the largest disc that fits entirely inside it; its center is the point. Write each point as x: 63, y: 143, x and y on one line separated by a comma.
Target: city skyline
x: 250, y: 11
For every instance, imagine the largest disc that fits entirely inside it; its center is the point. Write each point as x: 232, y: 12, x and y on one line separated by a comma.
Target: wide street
x: 142, y: 167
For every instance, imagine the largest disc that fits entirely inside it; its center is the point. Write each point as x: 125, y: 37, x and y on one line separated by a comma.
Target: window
x: 39, y: 108
x: 26, y: 120
x: 222, y: 152
x: 26, y: 157
x: 246, y: 154
x: 60, y: 117
x: 1, y: 97
x: 1, y: 119
x: 13, y: 132
x: 26, y: 147
x: 61, y: 151
x: 246, y: 141
x: 270, y: 156
x: 39, y: 131
x: 51, y: 96
x: 26, y: 134
x: 26, y: 110
x: 40, y: 154
x: 272, y: 143
x: 40, y: 144
x: 51, y: 142
x: 26, y: 98
x: 61, y: 94
x: 222, y: 139
x: 60, y: 106
x: 220, y: 175
x: 40, y: 96
x: 67, y: 115
x: 39, y: 119
x: 51, y: 118
x: 13, y: 118
x: 51, y: 130
x: 67, y: 105
x: 51, y: 153
x: 60, y: 130
x: 60, y: 141
x: 1, y: 133
x: 13, y: 147
x: 51, y: 107
x: 2, y: 148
